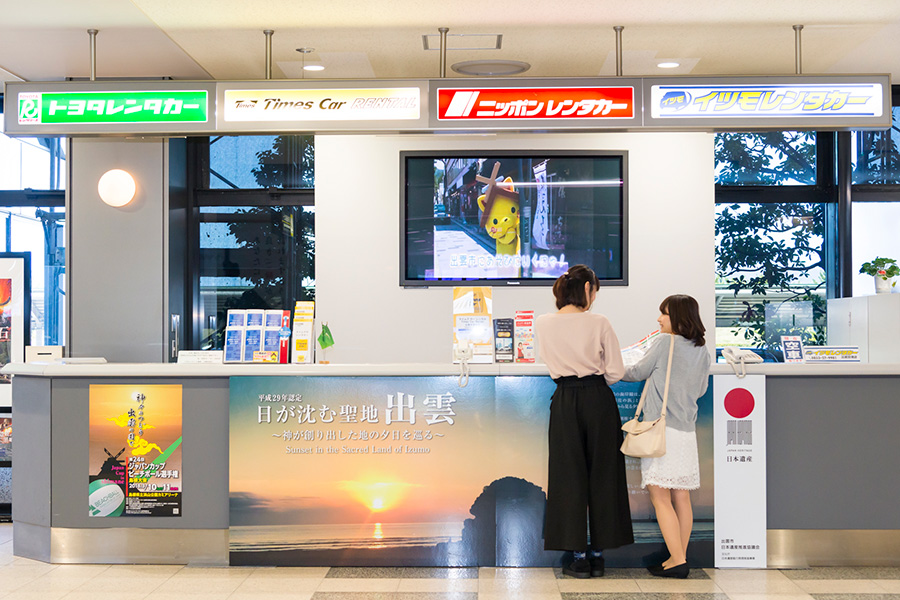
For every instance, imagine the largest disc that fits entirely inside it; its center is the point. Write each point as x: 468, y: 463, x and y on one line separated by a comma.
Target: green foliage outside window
x: 772, y: 252
x: 768, y: 158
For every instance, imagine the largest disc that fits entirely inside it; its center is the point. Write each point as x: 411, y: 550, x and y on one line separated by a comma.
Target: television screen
x: 517, y: 218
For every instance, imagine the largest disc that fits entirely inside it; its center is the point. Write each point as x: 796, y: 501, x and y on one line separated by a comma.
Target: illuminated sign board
x: 754, y: 101
x: 537, y: 103
x: 62, y: 108
x: 357, y: 104
x: 740, y: 103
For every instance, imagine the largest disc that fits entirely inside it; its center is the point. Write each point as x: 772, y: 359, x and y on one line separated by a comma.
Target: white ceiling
x: 46, y: 40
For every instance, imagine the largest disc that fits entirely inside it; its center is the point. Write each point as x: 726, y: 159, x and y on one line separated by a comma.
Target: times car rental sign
x: 535, y: 103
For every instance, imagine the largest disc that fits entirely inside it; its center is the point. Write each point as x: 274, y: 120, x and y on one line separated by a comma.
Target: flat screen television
x: 512, y: 217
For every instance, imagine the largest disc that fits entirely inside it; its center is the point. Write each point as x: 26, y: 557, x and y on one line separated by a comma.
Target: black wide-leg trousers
x: 586, y: 479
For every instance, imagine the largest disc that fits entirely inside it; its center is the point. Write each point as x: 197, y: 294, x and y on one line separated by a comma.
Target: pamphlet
x: 256, y: 317
x: 472, y: 321
x: 236, y: 318
x: 304, y: 319
x: 503, y: 340
x: 275, y: 331
x: 284, y: 336
x: 524, y: 330
x: 631, y: 355
x: 272, y: 340
x: 234, y: 344
x: 273, y: 318
x: 253, y: 339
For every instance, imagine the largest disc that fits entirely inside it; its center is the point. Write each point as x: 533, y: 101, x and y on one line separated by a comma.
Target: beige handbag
x: 647, y: 439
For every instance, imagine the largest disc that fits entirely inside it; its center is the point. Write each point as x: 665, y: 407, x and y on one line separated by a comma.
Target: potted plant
x: 883, y: 270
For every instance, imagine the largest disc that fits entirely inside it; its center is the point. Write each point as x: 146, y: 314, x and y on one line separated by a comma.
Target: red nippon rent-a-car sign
x: 553, y: 103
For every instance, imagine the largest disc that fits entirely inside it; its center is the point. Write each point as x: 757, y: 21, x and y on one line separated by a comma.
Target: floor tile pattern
x: 24, y: 579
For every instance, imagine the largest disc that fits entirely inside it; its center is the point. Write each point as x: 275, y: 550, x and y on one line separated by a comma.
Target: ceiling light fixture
x: 466, y: 41
x: 489, y: 68
x: 668, y: 65
x: 303, y: 67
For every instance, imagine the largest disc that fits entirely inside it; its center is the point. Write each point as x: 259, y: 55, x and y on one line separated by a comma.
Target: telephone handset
x: 740, y: 356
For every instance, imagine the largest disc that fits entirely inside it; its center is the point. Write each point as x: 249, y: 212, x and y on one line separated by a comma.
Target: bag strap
x: 668, y: 375
x: 640, y: 405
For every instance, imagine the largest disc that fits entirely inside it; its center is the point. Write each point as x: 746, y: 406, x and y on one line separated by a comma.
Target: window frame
x: 823, y: 191
x: 199, y: 195
x: 879, y: 192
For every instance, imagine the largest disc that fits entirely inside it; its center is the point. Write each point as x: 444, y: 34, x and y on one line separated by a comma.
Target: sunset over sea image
x: 388, y: 471
x: 389, y: 467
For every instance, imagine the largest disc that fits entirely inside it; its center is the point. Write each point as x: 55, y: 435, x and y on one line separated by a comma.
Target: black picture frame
x: 412, y: 236
x: 5, y: 413
x: 15, y: 267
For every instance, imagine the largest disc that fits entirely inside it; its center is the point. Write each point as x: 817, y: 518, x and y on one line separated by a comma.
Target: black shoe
x: 655, y: 569
x: 678, y: 572
x: 598, y: 566
x: 579, y: 568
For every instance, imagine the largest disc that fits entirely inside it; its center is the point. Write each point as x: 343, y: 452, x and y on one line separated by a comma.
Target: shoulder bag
x: 647, y: 439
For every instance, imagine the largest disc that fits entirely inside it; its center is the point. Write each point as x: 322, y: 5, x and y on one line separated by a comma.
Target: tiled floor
x: 23, y: 579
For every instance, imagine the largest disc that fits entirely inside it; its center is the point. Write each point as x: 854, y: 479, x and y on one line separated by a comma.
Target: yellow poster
x: 135, y: 450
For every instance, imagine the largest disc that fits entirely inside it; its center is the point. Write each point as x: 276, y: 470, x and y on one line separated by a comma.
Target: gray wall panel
x: 832, y: 447
x: 115, y: 260
x: 204, y: 452
x: 31, y: 451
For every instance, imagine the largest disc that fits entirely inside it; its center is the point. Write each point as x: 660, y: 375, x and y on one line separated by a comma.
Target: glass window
x: 40, y: 231
x: 766, y: 158
x: 252, y: 162
x: 253, y: 257
x: 874, y: 234
x: 31, y: 163
x: 36, y: 164
x: 876, y: 158
x: 770, y: 276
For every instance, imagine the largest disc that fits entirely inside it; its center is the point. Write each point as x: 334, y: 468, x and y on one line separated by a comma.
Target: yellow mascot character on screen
x: 500, y: 212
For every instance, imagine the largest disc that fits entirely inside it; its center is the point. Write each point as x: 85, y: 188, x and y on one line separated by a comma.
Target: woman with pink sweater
x: 586, y: 487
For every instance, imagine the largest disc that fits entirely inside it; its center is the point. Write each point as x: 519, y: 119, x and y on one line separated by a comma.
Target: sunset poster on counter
x: 404, y: 471
x: 135, y: 451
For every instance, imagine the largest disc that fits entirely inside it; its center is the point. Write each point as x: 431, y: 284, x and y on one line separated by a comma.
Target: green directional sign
x: 181, y: 106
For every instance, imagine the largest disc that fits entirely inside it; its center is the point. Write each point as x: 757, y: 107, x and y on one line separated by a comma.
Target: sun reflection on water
x: 377, y: 535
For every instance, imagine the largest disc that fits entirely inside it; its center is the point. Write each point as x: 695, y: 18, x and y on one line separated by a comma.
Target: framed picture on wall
x: 5, y: 438
x: 15, y: 307
x: 5, y: 464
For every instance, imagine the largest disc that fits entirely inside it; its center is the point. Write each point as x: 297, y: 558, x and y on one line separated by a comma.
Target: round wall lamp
x: 488, y: 68
x: 116, y: 187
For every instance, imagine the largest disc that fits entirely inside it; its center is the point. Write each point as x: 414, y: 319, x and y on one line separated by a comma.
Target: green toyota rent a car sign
x: 178, y: 106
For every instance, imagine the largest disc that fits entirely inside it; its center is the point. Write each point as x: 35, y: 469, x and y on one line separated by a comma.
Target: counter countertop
x: 407, y: 369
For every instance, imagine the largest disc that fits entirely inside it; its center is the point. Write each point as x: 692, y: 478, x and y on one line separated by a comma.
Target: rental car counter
x: 401, y: 465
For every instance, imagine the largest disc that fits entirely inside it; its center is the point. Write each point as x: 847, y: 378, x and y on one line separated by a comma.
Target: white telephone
x: 462, y: 353
x: 740, y: 356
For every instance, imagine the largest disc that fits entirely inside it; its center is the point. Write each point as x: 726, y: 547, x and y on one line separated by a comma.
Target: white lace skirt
x: 678, y: 468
